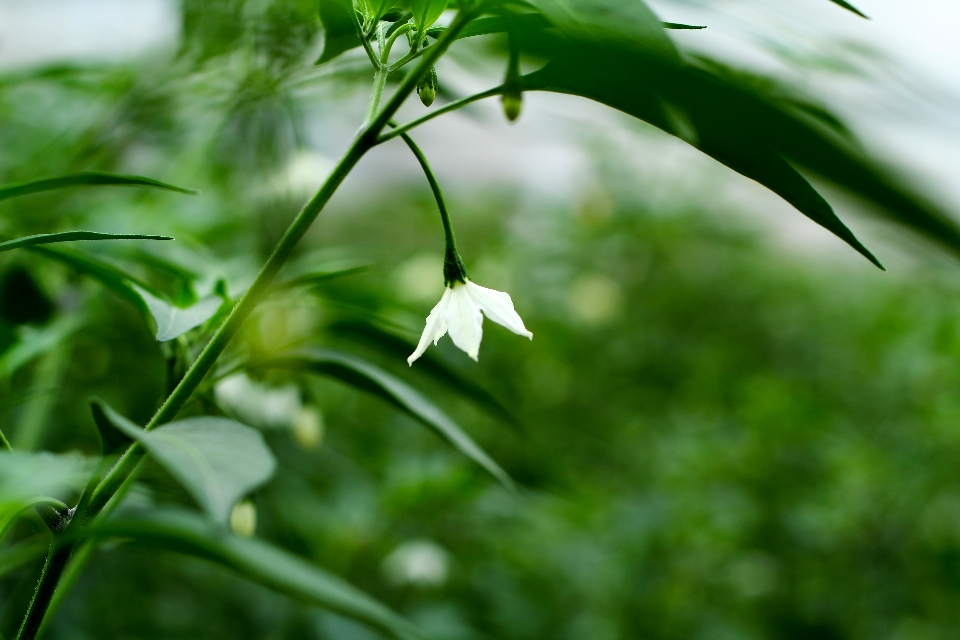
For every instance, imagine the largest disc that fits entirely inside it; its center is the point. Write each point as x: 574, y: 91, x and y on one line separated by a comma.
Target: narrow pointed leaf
x: 849, y: 7
x: 105, y: 273
x: 339, y: 31
x: 217, y: 460
x: 36, y: 343
x: 24, y: 477
x: 88, y: 179
x: 172, y: 321
x: 72, y: 236
x: 392, y: 345
x: 363, y: 375
x: 258, y: 561
x: 112, y: 439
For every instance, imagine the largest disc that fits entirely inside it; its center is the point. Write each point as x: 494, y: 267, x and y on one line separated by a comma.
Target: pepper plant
x: 614, y: 52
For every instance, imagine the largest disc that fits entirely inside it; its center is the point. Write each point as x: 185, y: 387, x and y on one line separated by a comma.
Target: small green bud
x: 243, y: 519
x: 308, y: 428
x: 512, y: 105
x: 428, y: 87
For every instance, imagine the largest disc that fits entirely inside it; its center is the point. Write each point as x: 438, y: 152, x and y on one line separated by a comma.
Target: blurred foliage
x: 715, y: 439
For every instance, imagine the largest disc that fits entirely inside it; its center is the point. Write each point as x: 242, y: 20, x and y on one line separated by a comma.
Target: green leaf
x: 748, y: 125
x: 108, y: 275
x: 23, y: 553
x: 258, y: 561
x: 27, y: 478
x: 172, y: 322
x: 682, y: 27
x: 629, y: 25
x: 35, y: 343
x: 217, y: 460
x: 317, y: 277
x: 71, y: 236
x: 363, y: 375
x: 426, y: 12
x: 392, y: 345
x: 112, y: 439
x: 87, y: 178
x: 339, y: 28
x: 849, y: 7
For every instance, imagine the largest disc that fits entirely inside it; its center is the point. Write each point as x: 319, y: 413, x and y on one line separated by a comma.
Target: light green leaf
x: 173, y: 321
x: 87, y: 178
x: 105, y: 273
x: 27, y: 479
x: 72, y: 236
x: 426, y: 12
x: 258, y: 561
x: 36, y: 342
x: 217, y: 460
x: 339, y: 28
x: 363, y: 375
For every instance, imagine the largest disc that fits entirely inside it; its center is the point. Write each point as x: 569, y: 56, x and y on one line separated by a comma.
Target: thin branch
x: 453, y: 106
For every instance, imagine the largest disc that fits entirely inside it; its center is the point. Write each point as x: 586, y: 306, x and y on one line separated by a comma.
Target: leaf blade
x: 72, y: 236
x: 87, y: 178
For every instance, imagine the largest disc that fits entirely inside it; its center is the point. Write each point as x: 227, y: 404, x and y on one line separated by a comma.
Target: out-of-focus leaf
x: 107, y: 274
x: 87, y: 178
x: 339, y: 30
x: 426, y: 12
x: 363, y: 375
x: 173, y: 321
x: 35, y: 343
x: 849, y: 7
x: 18, y: 555
x: 112, y: 439
x: 391, y: 344
x: 320, y: 276
x: 72, y: 236
x: 677, y: 26
x: 627, y: 25
x: 258, y: 561
x: 26, y: 477
x: 739, y: 122
x: 217, y: 460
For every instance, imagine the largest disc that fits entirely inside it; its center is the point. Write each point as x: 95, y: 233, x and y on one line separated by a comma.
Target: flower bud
x: 428, y: 87
x: 308, y: 428
x: 512, y: 105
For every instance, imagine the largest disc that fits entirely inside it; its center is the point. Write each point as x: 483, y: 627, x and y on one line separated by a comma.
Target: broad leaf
x: 72, y: 236
x: 25, y: 478
x: 339, y: 28
x: 426, y: 12
x: 87, y: 178
x: 363, y: 375
x: 172, y: 321
x: 735, y: 119
x: 23, y: 553
x: 257, y: 561
x: 217, y: 460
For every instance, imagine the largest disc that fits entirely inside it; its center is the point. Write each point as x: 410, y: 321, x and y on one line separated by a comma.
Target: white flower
x: 459, y: 313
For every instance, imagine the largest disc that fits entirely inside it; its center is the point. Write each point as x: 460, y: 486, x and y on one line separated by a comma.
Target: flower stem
x: 115, y: 481
x: 453, y: 269
x: 453, y: 106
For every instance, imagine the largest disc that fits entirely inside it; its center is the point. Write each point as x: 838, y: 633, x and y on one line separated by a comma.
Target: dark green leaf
x: 112, y: 439
x: 23, y: 553
x: 339, y: 30
x: 25, y: 476
x: 744, y: 124
x: 217, y: 460
x: 849, y: 7
x: 107, y: 274
x: 87, y: 178
x: 72, y: 236
x: 392, y: 345
x: 320, y: 276
x: 257, y: 561
x: 682, y: 27
x: 363, y: 375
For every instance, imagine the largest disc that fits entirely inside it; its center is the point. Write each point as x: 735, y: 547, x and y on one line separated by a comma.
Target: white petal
x: 464, y: 321
x: 436, y: 327
x: 498, y: 306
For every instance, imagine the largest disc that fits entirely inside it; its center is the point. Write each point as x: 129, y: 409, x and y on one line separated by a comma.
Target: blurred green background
x: 717, y: 437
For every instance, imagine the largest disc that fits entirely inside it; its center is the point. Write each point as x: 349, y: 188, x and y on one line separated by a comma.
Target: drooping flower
x: 460, y: 312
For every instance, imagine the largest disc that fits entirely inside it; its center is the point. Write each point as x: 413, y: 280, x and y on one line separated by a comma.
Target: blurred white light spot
x: 420, y: 563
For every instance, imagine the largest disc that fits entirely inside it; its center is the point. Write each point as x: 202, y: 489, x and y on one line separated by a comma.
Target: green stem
x: 453, y: 269
x: 115, y: 480
x: 453, y: 106
x: 5, y: 442
x: 379, y: 82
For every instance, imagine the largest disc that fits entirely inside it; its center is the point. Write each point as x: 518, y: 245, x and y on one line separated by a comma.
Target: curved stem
x: 385, y: 54
x: 117, y: 478
x: 453, y: 269
x: 453, y: 106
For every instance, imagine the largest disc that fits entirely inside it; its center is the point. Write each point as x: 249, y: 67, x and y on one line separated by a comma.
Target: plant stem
x: 115, y: 480
x: 453, y: 106
x: 379, y: 82
x: 453, y: 269
x: 5, y: 442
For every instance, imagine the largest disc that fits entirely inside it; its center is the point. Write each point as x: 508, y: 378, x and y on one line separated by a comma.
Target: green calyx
x: 453, y: 269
